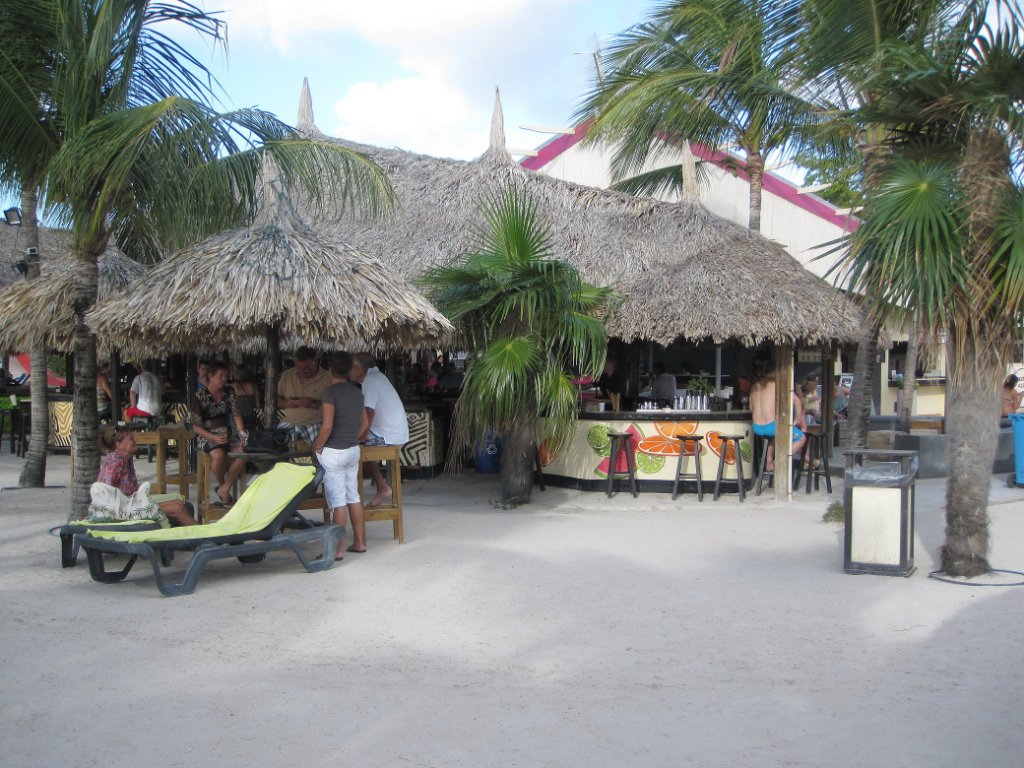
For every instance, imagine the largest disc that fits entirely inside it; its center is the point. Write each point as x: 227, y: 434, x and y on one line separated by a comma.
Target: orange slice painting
x: 714, y: 441
x: 676, y: 428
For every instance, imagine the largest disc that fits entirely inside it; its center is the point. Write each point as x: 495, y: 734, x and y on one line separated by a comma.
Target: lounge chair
x: 69, y: 545
x: 254, y: 526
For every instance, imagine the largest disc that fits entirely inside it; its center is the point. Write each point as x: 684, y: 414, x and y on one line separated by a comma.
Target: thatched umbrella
x: 29, y: 308
x: 683, y: 271
x: 276, y: 281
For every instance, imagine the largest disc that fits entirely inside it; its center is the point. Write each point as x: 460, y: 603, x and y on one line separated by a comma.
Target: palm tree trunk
x: 33, y: 472
x: 858, y: 412
x: 517, y: 464
x: 909, y: 376
x: 85, y: 435
x: 974, y: 377
x: 755, y: 172
x: 978, y: 348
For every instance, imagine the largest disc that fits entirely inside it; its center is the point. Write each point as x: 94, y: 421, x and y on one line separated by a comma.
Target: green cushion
x: 261, y: 503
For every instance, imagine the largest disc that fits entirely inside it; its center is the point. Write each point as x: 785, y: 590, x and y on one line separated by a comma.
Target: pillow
x: 110, y: 505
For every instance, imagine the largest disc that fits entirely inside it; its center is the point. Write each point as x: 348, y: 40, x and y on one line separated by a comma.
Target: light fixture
x: 13, y: 217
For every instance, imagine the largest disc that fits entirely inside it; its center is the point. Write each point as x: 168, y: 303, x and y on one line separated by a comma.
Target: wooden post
x: 828, y: 414
x: 783, y: 422
x: 271, y: 368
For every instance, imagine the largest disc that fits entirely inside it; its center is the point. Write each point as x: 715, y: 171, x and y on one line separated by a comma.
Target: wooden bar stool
x: 735, y: 440
x: 620, y: 442
x: 766, y: 445
x: 689, y: 446
x: 392, y: 454
x: 815, y: 452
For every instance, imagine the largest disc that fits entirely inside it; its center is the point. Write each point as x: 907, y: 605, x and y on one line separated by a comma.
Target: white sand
x: 578, y: 631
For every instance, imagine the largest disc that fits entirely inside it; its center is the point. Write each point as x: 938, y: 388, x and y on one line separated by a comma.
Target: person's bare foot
x: 380, y: 498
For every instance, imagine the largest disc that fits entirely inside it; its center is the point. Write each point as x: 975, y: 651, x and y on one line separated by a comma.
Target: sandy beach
x: 576, y: 631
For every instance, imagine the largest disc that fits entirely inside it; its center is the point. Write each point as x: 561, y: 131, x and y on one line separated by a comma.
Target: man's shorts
x: 768, y: 430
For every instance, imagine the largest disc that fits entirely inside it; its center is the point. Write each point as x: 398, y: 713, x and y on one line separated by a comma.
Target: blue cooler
x: 487, y: 459
x: 1017, y: 422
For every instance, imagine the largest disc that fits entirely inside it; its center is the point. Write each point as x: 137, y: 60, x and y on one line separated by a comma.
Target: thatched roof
x: 232, y: 289
x: 683, y: 271
x: 28, y: 307
x: 52, y: 243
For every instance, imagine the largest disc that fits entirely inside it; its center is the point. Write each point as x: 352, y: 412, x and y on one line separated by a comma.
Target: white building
x: 800, y: 221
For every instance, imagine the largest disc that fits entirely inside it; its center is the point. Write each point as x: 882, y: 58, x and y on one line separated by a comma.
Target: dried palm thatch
x: 52, y: 243
x: 32, y: 307
x: 276, y: 276
x: 682, y: 271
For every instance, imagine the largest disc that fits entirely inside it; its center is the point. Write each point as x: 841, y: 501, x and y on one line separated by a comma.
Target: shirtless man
x: 762, y: 410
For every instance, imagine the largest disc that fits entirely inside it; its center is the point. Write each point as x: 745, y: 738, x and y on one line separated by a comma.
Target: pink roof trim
x: 772, y: 183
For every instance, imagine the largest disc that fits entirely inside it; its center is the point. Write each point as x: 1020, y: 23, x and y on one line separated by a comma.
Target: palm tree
x: 943, y: 229
x: 137, y: 155
x: 708, y: 71
x: 530, y: 322
x: 22, y: 169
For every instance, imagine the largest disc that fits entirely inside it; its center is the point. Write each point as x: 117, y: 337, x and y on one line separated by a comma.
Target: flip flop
x: 357, y: 551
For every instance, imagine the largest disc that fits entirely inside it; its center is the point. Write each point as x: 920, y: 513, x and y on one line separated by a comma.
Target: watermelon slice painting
x: 635, y: 436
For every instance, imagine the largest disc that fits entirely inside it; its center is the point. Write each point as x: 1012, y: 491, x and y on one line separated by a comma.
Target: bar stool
x: 726, y: 440
x: 620, y: 442
x: 815, y: 450
x: 766, y: 445
x: 689, y: 445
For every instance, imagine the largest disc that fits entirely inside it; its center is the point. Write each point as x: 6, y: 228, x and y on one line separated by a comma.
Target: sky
x: 417, y: 74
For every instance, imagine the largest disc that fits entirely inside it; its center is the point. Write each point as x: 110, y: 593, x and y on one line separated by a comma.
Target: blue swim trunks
x: 768, y: 430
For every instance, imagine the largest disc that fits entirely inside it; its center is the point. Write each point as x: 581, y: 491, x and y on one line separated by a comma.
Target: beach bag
x: 111, y: 505
x: 268, y: 441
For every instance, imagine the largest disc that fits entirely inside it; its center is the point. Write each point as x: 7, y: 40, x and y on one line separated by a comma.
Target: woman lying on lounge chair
x: 118, y: 470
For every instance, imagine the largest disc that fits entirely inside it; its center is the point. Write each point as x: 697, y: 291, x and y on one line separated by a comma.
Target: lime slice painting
x: 598, y: 440
x: 649, y: 465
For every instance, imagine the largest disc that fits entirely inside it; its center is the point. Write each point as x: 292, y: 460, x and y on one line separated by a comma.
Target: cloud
x: 406, y: 25
x: 420, y: 114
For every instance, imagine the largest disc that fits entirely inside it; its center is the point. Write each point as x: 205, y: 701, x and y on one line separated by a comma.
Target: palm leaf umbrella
x: 44, y: 306
x: 275, y: 281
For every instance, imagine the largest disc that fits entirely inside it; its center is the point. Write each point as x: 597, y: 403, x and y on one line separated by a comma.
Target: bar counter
x: 583, y: 463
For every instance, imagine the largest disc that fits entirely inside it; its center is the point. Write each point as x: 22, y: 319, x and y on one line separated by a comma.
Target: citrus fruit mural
x: 635, y: 436
x: 676, y: 428
x: 714, y: 441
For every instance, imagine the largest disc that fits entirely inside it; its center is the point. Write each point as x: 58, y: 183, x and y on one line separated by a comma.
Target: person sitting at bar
x: 1011, y: 397
x: 386, y: 419
x: 299, y: 393
x: 118, y: 469
x: 663, y: 387
x: 144, y: 393
x: 811, y: 400
x: 762, y: 409
x: 213, y: 415
x: 104, y: 394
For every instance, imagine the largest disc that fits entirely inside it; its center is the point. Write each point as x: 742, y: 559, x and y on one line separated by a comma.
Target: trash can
x: 879, y: 501
x: 1017, y: 478
x: 487, y: 459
